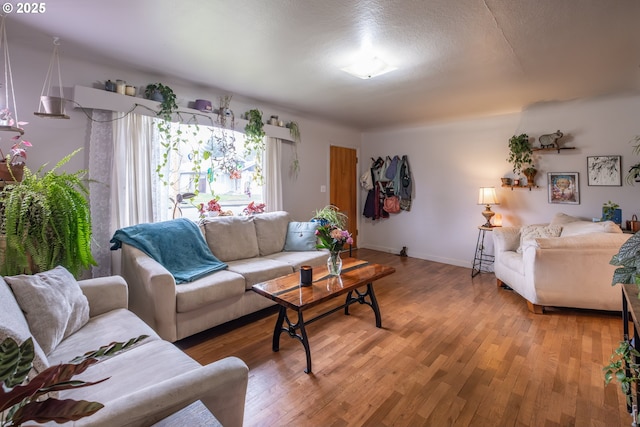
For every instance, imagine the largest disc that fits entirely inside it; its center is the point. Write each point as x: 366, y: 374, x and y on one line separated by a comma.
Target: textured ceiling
x: 455, y: 58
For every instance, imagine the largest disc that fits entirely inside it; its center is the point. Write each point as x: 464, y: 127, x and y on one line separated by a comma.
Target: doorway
x: 343, y: 189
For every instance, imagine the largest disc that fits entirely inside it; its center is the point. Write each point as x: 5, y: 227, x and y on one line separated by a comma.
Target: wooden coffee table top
x: 286, y: 290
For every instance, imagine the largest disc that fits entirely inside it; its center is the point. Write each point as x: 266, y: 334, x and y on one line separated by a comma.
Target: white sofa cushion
x: 529, y: 233
x: 14, y: 325
x: 53, y: 303
x: 209, y: 289
x: 585, y: 227
x: 271, y: 231
x: 258, y: 270
x: 232, y: 237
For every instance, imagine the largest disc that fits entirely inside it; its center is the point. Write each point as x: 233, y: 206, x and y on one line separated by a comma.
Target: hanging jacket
x: 405, y: 179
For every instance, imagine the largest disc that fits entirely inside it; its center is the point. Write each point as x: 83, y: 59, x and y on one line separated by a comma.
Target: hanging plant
x: 294, y: 131
x: 254, y: 141
x: 520, y: 152
x: 164, y: 95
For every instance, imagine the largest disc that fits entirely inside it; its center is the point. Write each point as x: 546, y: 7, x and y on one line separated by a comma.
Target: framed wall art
x: 604, y: 171
x: 564, y: 188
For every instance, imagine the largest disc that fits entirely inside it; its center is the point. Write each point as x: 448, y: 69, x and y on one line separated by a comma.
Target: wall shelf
x: 553, y: 149
x: 92, y: 98
x: 520, y: 186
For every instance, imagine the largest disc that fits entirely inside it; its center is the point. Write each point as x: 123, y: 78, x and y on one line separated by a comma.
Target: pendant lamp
x: 53, y: 106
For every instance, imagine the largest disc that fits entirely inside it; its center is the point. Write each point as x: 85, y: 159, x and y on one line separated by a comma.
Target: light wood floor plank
x: 453, y: 351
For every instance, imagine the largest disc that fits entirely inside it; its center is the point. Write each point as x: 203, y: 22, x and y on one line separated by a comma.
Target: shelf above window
x: 100, y: 99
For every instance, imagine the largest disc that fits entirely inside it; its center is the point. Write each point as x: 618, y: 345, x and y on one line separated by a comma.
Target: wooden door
x: 344, y: 185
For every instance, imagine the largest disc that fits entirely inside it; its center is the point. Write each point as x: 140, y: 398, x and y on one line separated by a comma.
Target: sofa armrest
x: 105, y: 294
x: 221, y: 386
x: 152, y: 291
x: 506, y: 239
x: 583, y: 241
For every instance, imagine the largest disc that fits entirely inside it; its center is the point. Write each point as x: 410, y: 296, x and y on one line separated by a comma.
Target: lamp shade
x: 487, y: 196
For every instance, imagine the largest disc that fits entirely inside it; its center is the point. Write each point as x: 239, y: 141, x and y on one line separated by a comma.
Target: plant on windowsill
x: 628, y: 272
x: 26, y: 399
x: 254, y: 141
x: 520, y: 152
x: 45, y: 222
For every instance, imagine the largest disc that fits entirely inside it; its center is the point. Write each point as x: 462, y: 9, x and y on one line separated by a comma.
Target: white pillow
x: 53, y: 304
x: 529, y: 233
x: 586, y: 227
x: 562, y: 219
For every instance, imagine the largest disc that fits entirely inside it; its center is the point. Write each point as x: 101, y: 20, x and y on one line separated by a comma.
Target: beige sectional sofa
x: 253, y: 247
x: 564, y: 263
x: 146, y: 383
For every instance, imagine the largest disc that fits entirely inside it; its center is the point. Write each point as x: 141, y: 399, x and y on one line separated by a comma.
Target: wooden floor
x: 452, y: 351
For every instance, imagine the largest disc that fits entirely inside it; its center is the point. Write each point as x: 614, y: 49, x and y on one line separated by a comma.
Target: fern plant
x: 46, y: 222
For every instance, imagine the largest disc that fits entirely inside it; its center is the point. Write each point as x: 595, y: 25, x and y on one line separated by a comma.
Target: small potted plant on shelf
x: 520, y: 152
x: 165, y: 96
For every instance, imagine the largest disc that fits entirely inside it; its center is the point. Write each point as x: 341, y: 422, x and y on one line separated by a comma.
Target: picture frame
x: 564, y: 188
x: 605, y: 171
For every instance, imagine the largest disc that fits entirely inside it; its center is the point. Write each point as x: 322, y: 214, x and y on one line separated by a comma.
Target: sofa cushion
x: 114, y: 326
x: 53, y: 303
x: 301, y: 236
x: 14, y: 325
x: 296, y: 259
x: 232, y: 237
x: 258, y: 270
x: 529, y: 233
x: 209, y: 289
x: 584, y: 227
x: 271, y: 231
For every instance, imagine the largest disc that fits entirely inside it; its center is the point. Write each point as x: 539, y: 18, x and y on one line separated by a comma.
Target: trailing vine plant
x: 294, y: 131
x: 254, y: 141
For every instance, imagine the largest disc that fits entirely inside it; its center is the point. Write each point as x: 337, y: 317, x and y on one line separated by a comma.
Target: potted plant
x: 520, y: 152
x: 12, y: 165
x: 254, y: 140
x: 611, y: 212
x: 165, y: 96
x: 45, y: 222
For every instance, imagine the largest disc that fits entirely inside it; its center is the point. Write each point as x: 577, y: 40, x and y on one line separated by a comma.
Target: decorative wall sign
x: 604, y: 170
x: 564, y: 188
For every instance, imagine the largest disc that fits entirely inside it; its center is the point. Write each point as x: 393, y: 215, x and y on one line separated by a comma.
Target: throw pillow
x: 529, y: 233
x: 562, y: 219
x: 53, y: 304
x: 301, y: 236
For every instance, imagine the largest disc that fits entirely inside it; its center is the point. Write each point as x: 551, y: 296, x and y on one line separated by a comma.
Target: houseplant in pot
x: 12, y: 165
x: 520, y: 152
x: 45, y: 222
x: 165, y: 96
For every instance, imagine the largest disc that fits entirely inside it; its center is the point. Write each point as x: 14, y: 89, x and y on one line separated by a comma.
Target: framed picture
x: 604, y: 170
x: 563, y: 187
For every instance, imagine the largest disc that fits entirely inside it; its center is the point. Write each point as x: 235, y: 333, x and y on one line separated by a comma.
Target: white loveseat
x: 147, y: 382
x: 567, y: 268
x: 256, y: 248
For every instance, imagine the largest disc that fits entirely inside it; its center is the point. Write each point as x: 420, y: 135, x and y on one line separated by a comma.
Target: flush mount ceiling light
x: 368, y: 67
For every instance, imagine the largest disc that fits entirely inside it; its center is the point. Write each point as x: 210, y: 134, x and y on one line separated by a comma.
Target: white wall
x: 53, y: 139
x: 450, y: 161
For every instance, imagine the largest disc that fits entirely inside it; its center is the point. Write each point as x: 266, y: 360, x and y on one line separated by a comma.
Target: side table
x: 481, y: 260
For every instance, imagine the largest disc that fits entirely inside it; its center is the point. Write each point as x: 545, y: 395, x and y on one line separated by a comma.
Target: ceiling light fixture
x: 368, y: 67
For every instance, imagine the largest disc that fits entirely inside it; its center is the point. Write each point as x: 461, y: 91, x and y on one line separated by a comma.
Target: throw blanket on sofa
x: 178, y: 245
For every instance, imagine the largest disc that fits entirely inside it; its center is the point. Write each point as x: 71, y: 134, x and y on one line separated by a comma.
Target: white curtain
x: 273, y: 174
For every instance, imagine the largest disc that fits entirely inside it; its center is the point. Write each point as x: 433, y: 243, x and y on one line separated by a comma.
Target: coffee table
x: 287, y: 292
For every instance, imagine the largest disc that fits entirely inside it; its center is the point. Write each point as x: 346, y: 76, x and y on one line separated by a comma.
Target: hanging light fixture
x: 53, y: 105
x: 8, y: 110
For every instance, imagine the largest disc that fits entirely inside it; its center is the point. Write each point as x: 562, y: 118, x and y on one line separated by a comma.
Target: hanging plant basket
x: 5, y: 174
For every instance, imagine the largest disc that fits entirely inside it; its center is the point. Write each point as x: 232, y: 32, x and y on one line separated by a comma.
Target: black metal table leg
x: 278, y: 329
x: 305, y: 342
x: 374, y: 305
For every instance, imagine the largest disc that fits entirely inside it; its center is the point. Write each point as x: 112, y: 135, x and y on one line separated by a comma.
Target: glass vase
x: 334, y: 264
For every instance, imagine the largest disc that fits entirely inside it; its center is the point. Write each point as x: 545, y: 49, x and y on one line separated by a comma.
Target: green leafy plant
x: 254, y: 141
x: 330, y: 215
x: 628, y: 261
x: 623, y: 359
x: 26, y: 400
x: 168, y: 104
x: 46, y: 222
x: 294, y: 131
x: 520, y: 152
x: 608, y: 210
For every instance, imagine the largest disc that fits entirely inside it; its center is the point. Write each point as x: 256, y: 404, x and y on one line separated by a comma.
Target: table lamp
x: 487, y: 196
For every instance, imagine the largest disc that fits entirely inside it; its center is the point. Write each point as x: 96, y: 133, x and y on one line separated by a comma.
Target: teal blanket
x: 178, y: 245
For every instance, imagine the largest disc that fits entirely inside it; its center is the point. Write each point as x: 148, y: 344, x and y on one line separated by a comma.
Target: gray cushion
x: 271, y: 231
x: 53, y: 304
x: 231, y: 237
x: 301, y: 236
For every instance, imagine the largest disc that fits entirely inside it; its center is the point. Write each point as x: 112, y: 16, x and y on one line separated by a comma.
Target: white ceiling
x: 455, y: 58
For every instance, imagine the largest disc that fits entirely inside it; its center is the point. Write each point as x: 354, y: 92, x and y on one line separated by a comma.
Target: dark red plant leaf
x: 56, y: 410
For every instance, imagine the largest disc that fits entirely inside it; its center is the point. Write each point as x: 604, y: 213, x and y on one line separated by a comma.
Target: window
x: 208, y: 161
